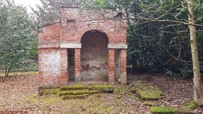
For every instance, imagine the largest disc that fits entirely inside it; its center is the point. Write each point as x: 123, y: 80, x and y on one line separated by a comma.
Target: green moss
x: 148, y: 92
x: 192, y: 105
x: 75, y: 91
x: 162, y: 110
x: 148, y: 103
x: 20, y: 73
x: 49, y: 91
x: 73, y: 87
x: 83, y: 96
x: 102, y: 88
x: 138, y: 83
x: 119, y: 90
x: 78, y: 92
x: 51, y: 100
x: 118, y: 97
x: 43, y: 100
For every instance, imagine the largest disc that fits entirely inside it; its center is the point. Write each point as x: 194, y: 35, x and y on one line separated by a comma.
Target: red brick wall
x: 86, y: 20
x: 49, y: 66
x: 111, y: 66
x: 64, y: 66
x: 49, y: 36
x: 74, y: 23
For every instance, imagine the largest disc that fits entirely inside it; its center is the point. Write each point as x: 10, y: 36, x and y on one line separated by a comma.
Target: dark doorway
x: 71, y: 64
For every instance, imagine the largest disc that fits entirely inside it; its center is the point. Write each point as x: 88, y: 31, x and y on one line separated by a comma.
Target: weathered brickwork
x: 89, y: 44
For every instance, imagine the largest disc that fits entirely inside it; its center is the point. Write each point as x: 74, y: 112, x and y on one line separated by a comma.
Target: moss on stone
x: 192, y: 105
x: 147, y: 92
x: 73, y: 87
x: 184, y: 111
x: 102, y: 88
x: 49, y: 91
x: 83, y: 96
x: 162, y: 110
x: 77, y: 92
x: 120, y: 90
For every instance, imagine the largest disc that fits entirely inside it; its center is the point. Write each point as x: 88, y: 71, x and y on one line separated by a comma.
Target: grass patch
x: 20, y: 73
x: 192, y: 105
x: 162, y: 110
x: 120, y: 90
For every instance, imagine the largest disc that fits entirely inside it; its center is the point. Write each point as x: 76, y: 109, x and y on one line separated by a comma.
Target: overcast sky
x: 27, y: 3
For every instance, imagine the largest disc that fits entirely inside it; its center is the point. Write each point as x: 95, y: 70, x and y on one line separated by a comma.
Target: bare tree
x: 198, y: 97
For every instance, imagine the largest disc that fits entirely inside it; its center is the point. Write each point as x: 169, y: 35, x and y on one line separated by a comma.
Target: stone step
x: 67, y: 97
x: 74, y: 87
x: 77, y: 92
x: 48, y: 91
x: 147, y: 93
x: 169, y: 110
x: 101, y: 88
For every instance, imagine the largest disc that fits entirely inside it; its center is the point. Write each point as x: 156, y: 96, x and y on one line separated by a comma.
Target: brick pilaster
x: 64, y: 67
x: 123, y: 66
x: 111, y: 66
x: 77, y: 64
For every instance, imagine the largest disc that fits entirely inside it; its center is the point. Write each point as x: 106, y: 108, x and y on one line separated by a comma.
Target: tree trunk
x: 198, y: 97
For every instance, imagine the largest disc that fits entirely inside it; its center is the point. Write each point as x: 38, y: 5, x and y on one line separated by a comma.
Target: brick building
x: 85, y: 45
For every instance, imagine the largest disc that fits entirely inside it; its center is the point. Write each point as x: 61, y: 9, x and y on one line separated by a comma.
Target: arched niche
x: 94, y: 56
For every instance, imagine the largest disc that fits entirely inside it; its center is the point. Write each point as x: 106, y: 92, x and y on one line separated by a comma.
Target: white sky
x: 27, y: 3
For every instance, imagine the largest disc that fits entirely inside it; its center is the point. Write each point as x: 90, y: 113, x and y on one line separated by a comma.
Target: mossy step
x: 74, y: 87
x: 48, y: 91
x: 78, y: 92
x: 162, y: 110
x: 147, y: 92
x: 120, y: 90
x: 67, y: 97
x: 102, y: 88
x: 168, y: 110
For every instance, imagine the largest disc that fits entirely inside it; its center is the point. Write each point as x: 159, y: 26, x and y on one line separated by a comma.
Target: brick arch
x: 94, y: 56
x: 100, y: 31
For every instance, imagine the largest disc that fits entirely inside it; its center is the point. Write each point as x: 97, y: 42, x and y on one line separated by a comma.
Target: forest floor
x: 19, y: 94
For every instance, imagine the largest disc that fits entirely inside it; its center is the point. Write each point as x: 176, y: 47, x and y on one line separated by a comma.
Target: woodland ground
x: 19, y: 93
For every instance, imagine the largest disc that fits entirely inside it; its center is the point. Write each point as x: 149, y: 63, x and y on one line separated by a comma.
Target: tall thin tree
x: 198, y: 97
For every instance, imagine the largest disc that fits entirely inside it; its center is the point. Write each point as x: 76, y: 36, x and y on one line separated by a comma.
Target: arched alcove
x: 94, y: 56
